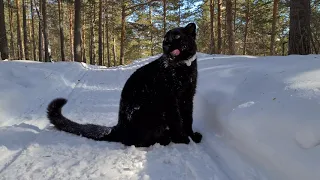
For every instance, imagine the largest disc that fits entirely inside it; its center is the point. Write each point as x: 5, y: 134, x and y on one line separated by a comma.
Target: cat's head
x: 179, y: 43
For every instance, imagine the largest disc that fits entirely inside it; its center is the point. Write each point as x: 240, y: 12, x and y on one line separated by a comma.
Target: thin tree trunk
x: 40, y: 33
x: 77, y: 31
x: 229, y: 27
x: 45, y: 31
x: 84, y: 40
x: 33, y: 38
x: 235, y: 16
x: 123, y: 29
x: 246, y: 28
x: 274, y: 21
x: 3, y: 36
x: 114, y: 52
x: 299, y: 36
x: 212, y: 42
x: 21, y: 53
x: 151, y: 29
x: 92, y: 38
x: 107, y: 36
x: 60, y: 9
x: 70, y: 33
x: 25, y: 32
x: 100, y: 33
x: 219, y: 27
x: 164, y: 17
x: 179, y: 15
x: 12, y: 49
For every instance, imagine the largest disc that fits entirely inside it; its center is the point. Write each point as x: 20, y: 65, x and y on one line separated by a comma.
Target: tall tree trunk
x: 21, y: 53
x: 123, y: 30
x: 60, y: 9
x: 246, y: 28
x: 84, y: 39
x: 92, y: 37
x: 70, y: 33
x: 100, y: 33
x: 179, y: 13
x: 230, y: 31
x: 12, y: 49
x: 32, y: 27
x: 164, y: 21
x: 77, y: 31
x: 212, y: 42
x: 114, y: 54
x: 299, y: 35
x: 114, y: 51
x: 151, y: 30
x: 3, y: 36
x: 235, y: 16
x: 219, y: 27
x: 25, y: 32
x: 274, y: 21
x: 107, y: 35
x: 40, y: 33
x: 45, y: 31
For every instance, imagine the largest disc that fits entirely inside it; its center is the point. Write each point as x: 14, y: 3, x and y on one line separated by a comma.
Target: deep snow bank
x: 267, y: 108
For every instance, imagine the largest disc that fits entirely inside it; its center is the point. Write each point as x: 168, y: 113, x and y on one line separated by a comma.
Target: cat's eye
x: 177, y: 36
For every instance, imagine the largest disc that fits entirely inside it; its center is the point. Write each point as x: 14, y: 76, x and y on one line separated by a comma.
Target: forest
x: 116, y: 32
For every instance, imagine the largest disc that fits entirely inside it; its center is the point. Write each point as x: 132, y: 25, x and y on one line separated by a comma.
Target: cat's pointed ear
x: 191, y: 29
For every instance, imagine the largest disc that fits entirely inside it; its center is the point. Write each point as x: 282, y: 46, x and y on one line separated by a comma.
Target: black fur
x: 156, y: 101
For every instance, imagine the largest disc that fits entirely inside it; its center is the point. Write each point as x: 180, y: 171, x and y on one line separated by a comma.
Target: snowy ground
x: 259, y: 118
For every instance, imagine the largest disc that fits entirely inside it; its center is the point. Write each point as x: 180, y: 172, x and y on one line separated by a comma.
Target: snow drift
x: 259, y: 118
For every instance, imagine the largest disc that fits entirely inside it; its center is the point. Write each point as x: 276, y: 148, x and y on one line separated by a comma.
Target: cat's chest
x: 183, y: 79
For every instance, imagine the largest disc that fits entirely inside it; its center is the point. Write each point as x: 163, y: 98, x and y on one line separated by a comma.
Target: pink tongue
x: 175, y: 52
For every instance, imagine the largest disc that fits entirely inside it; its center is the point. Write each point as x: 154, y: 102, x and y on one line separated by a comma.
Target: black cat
x: 156, y: 101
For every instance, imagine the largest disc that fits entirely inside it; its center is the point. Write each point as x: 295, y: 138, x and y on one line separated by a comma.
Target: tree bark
x: 151, y: 30
x: 60, y: 9
x: 246, y: 28
x: 212, y: 42
x: 123, y: 30
x: 83, y: 40
x: 299, y: 35
x: 45, y: 31
x: 25, y: 32
x: 114, y: 52
x: 70, y: 33
x: 107, y: 35
x: 3, y: 36
x: 12, y: 49
x: 92, y: 37
x: 32, y: 28
x: 40, y: 33
x: 219, y: 27
x: 274, y: 26
x: 21, y: 53
x: 164, y: 17
x: 77, y: 31
x: 100, y: 33
x: 230, y: 31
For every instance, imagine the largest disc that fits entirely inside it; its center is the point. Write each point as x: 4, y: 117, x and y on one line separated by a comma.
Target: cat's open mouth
x: 175, y: 52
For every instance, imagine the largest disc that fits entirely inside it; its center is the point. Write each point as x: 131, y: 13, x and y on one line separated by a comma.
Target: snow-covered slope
x: 259, y: 118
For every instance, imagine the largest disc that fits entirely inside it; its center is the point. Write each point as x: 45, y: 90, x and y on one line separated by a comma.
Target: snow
x: 259, y: 117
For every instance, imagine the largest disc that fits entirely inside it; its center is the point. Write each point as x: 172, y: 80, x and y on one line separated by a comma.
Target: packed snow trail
x: 258, y: 117
x: 34, y: 151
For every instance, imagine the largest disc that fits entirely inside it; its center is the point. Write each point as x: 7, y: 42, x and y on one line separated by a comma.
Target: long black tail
x: 92, y: 131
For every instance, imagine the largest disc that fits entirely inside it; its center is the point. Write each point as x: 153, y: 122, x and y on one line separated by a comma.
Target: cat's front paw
x: 196, y: 137
x: 183, y: 139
